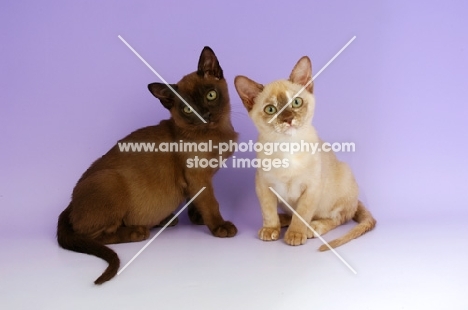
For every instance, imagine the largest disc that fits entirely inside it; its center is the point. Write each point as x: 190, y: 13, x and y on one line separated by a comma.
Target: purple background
x: 70, y: 89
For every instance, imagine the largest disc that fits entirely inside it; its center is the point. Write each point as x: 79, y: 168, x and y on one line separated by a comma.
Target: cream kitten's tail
x: 365, y: 223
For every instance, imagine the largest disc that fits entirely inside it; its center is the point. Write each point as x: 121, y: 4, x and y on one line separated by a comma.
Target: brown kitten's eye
x: 188, y: 110
x: 270, y: 109
x: 297, y: 102
x: 212, y: 95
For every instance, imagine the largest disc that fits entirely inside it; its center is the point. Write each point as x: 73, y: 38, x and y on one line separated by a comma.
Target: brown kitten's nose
x: 207, y: 116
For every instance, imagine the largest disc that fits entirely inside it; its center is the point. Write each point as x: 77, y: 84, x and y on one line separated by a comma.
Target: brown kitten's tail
x: 365, y: 223
x: 69, y: 240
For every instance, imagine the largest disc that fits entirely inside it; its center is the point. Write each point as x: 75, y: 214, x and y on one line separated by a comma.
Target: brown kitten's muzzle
x: 207, y: 116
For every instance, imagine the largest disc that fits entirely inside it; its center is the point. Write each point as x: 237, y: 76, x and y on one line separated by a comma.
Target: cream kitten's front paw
x: 295, y: 237
x: 269, y: 233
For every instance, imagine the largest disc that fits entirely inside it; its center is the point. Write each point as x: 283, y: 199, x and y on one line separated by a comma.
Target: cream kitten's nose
x: 288, y: 119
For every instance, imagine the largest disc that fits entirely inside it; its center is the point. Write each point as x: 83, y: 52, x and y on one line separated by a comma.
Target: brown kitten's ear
x: 302, y: 73
x: 248, y: 90
x: 208, y: 64
x: 163, y: 93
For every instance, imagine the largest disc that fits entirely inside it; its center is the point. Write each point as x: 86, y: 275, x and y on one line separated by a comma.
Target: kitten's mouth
x: 287, y: 129
x: 290, y: 130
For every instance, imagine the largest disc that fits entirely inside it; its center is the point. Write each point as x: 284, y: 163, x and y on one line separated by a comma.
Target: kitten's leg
x: 195, y: 215
x: 322, y: 226
x: 124, y: 234
x: 297, y: 231
x: 208, y: 207
x: 343, y: 211
x: 285, y: 219
x: 167, y: 219
x: 269, y: 205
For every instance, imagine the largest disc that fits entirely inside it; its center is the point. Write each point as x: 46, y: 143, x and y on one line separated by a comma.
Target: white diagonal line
x: 160, y: 231
x: 313, y: 230
x: 313, y: 78
x: 161, y: 78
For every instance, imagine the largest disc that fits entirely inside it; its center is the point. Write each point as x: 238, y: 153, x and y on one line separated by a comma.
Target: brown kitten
x: 318, y: 186
x: 123, y: 194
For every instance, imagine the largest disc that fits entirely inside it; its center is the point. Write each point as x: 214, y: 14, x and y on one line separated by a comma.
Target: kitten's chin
x: 288, y: 131
x: 291, y: 131
x: 212, y: 125
x: 205, y: 126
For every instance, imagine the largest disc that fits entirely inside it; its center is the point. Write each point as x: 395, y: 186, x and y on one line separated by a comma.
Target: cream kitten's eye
x: 269, y: 109
x: 297, y: 102
x: 188, y: 110
x: 212, y: 95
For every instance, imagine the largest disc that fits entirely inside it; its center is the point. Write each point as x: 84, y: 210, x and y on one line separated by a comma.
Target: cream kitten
x: 320, y: 188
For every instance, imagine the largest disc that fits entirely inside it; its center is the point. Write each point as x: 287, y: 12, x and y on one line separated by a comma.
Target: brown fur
x: 318, y: 186
x: 123, y: 194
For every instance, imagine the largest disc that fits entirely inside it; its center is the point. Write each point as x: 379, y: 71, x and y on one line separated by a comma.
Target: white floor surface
x: 400, y: 265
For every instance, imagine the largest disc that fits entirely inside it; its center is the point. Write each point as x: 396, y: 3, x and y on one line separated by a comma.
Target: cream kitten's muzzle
x: 286, y: 122
x: 288, y: 128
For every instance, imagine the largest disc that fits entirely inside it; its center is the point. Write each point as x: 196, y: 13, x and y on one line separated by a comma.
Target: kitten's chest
x: 288, y: 188
x: 290, y: 185
x: 303, y: 172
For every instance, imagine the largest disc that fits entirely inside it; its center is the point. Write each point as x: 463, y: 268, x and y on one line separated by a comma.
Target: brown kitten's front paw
x: 195, y: 216
x: 227, y: 229
x: 295, y: 238
x: 139, y: 233
x: 269, y: 233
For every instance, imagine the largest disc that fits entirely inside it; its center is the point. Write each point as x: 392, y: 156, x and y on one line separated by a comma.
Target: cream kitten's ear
x: 248, y: 90
x: 302, y: 73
